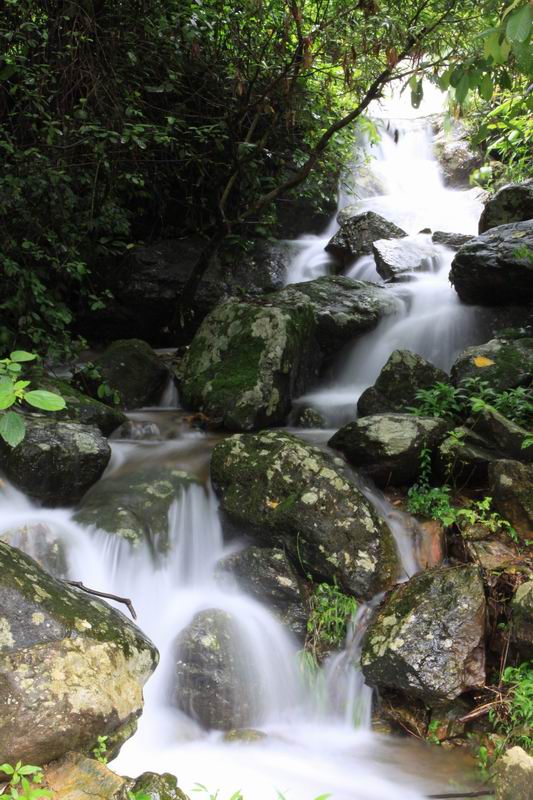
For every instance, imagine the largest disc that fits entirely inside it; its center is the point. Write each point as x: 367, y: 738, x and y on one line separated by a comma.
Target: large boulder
x: 511, y: 488
x: 343, y: 308
x: 522, y: 620
x: 133, y: 373
x: 287, y: 493
x: 512, y: 203
x: 357, y: 234
x: 503, y: 363
x: 514, y: 775
x: 210, y: 668
x: 71, y: 667
x: 452, y: 240
x: 248, y: 360
x: 496, y: 267
x: 404, y: 374
x: 267, y: 574
x: 57, y: 462
x: 396, y: 258
x: 387, y: 447
x: 427, y: 638
x: 464, y: 457
x: 135, y: 506
x: 503, y: 435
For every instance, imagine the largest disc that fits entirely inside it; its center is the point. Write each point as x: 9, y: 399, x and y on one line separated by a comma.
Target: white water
x: 312, y: 745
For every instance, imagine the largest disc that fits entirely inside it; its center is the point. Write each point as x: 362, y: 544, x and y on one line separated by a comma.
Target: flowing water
x: 318, y: 737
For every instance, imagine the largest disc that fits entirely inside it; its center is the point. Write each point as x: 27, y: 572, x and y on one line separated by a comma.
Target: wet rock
x: 512, y: 203
x: 522, y: 620
x: 135, y: 506
x: 357, y: 234
x: 396, y: 258
x: 431, y: 548
x: 287, y: 493
x: 404, y: 374
x: 247, y: 361
x: 42, y: 543
x: 245, y: 735
x: 496, y: 267
x: 131, y: 369
x: 158, y: 787
x: 71, y: 667
x: 308, y: 417
x: 268, y: 575
x: 511, y: 488
x: 514, y: 775
x: 455, y: 155
x: 464, y: 458
x: 427, y: 638
x: 343, y: 308
x: 452, y: 240
x: 300, y: 215
x: 80, y: 407
x: 57, y: 461
x: 210, y: 669
x: 387, y: 447
x: 504, y: 435
x: 503, y: 363
x: 76, y: 777
x: 490, y: 554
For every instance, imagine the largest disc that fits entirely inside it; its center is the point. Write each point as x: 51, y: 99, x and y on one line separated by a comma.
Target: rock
x: 452, y: 240
x: 76, y: 777
x: 396, y: 258
x: 496, y: 267
x: 357, y: 234
x: 430, y: 541
x: 342, y: 307
x: 57, y: 461
x: 464, y: 457
x: 130, y: 368
x: 308, y: 417
x: 244, y: 736
x: 455, y: 155
x: 522, y: 620
x: 268, y: 575
x: 514, y: 776
x: 135, y: 506
x: 80, y: 407
x: 503, y: 363
x: 284, y: 492
x: 71, y: 667
x: 42, y: 543
x: 300, y: 215
x: 158, y: 787
x: 248, y: 361
x: 210, y: 669
x: 489, y: 554
x: 387, y: 447
x: 512, y: 203
x: 404, y: 374
x: 427, y: 638
x: 511, y: 487
x: 505, y: 436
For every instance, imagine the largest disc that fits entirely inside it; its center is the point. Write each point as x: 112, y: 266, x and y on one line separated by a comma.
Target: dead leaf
x: 482, y: 361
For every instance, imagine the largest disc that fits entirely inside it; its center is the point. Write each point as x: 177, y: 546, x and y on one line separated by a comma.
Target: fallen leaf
x: 483, y: 361
x: 272, y: 503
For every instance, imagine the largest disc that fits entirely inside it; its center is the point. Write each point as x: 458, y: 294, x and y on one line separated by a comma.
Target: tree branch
x: 125, y: 600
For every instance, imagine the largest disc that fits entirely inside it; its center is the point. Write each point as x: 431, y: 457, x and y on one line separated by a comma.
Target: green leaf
x: 7, y: 769
x: 486, y: 87
x: 14, y: 367
x: 7, y: 396
x: 12, y: 431
x: 417, y: 94
x: 519, y: 25
x: 47, y: 401
x: 462, y: 89
x: 22, y: 355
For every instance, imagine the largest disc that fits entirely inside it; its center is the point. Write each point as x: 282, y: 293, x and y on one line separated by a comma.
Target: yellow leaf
x: 272, y: 503
x: 483, y: 361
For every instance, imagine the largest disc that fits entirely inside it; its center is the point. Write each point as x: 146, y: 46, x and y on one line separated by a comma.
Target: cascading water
x: 310, y: 747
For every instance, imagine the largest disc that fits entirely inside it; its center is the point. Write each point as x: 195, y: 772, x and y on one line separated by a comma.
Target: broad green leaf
x: 14, y: 367
x: 519, y: 24
x: 21, y: 385
x: 417, y: 95
x: 462, y: 89
x: 47, y: 401
x: 486, y: 87
x: 7, y: 769
x: 22, y: 355
x: 12, y: 430
x: 7, y: 396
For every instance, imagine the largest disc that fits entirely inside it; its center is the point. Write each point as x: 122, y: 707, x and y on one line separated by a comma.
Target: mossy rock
x: 357, y: 234
x: 57, y: 462
x: 158, y: 786
x: 129, y: 368
x: 248, y: 360
x: 511, y: 203
x: 511, y: 487
x: 522, y: 620
x: 71, y: 667
x: 135, y: 506
x: 427, y: 638
x: 284, y: 492
x: 502, y: 363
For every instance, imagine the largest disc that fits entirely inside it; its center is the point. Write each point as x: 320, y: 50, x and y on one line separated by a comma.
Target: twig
x: 125, y: 600
x: 486, y: 793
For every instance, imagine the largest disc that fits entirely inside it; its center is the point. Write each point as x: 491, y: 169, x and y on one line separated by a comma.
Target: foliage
x: 424, y: 500
x: 90, y: 372
x: 138, y: 795
x: 14, y: 391
x: 479, y: 513
x: 99, y: 752
x: 330, y: 613
x: 440, y: 400
x: 24, y: 782
x: 513, y: 717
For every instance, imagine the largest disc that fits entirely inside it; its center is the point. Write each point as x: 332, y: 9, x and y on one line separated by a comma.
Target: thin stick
x: 125, y: 600
x: 486, y: 793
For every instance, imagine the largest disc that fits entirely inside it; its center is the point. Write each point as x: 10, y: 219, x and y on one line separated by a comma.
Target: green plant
x: 15, y: 392
x: 513, y: 716
x: 99, y: 752
x: 424, y: 500
x: 91, y: 373
x: 440, y: 400
x: 24, y: 782
x: 138, y: 795
x: 480, y: 513
x: 431, y: 735
x: 330, y: 613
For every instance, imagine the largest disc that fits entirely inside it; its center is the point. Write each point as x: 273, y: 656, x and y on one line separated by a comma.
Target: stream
x: 315, y: 743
